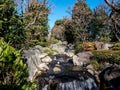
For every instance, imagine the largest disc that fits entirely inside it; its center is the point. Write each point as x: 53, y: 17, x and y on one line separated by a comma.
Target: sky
x: 61, y: 6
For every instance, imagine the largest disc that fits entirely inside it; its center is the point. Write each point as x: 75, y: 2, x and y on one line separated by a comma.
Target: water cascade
x: 74, y: 80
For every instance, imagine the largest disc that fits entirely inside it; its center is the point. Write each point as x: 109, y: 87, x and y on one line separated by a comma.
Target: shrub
x: 44, y: 44
x: 97, y: 66
x: 111, y: 56
x: 116, y: 46
x: 88, y: 46
x: 78, y: 47
x: 13, y: 73
x: 53, y: 40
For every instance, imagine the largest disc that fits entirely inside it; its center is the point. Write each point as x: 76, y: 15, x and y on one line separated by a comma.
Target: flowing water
x: 71, y: 81
x: 88, y: 84
x: 70, y: 78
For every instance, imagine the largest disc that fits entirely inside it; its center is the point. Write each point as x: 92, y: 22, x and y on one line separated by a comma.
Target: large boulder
x: 99, y: 45
x: 106, y: 46
x: 58, y: 47
x: 36, y: 61
x: 82, y: 58
x: 102, y: 46
x: 110, y: 78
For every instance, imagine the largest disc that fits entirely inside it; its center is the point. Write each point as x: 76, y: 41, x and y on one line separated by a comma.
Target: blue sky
x: 61, y: 7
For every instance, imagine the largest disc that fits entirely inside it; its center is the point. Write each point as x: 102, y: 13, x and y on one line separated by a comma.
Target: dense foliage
x: 99, y: 25
x: 36, y: 23
x: 29, y: 27
x: 11, y: 25
x: 58, y: 30
x: 110, y: 56
x: 115, y: 18
x: 78, y: 26
x: 90, y: 25
x: 12, y: 69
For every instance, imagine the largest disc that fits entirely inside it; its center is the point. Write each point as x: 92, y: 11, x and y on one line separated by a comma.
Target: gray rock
x: 99, y: 45
x: 106, y: 46
x: 81, y: 58
x: 56, y: 70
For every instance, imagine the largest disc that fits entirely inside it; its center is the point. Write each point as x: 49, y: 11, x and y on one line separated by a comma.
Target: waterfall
x: 72, y: 81
x: 88, y: 84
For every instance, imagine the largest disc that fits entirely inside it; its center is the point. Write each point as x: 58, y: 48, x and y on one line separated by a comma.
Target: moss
x: 50, y: 51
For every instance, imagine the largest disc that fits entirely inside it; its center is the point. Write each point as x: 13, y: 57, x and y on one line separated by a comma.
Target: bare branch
x: 117, y: 9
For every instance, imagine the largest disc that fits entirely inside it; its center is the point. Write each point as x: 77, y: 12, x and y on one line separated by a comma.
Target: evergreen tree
x: 11, y: 25
x: 81, y: 16
x: 36, y: 21
x: 100, y: 24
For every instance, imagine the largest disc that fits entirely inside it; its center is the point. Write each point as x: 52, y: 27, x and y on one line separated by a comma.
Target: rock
x: 103, y: 46
x: 41, y: 55
x: 59, y: 42
x: 86, y: 55
x: 38, y: 47
x: 59, y: 48
x: 49, y: 36
x: 64, y: 43
x: 99, y: 45
x: 43, y: 67
x: 81, y: 58
x: 110, y: 78
x: 36, y: 61
x: 76, y: 61
x: 56, y: 70
x: 37, y: 74
x: 106, y: 46
x: 69, y: 54
x: 91, y: 69
x: 35, y: 71
x: 46, y: 59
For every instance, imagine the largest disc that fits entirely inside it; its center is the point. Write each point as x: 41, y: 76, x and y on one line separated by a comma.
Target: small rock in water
x: 56, y: 70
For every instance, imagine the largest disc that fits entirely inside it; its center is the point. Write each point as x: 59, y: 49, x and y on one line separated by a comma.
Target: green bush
x: 111, y: 56
x: 78, y: 47
x: 13, y: 73
x: 97, y: 66
x: 53, y: 40
x: 37, y: 42
x: 44, y: 44
x: 116, y: 46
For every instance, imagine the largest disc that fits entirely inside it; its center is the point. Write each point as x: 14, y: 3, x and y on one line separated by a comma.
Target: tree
x: 11, y: 25
x: 36, y: 21
x: 100, y: 24
x: 81, y: 16
x: 115, y: 17
x: 77, y: 28
x: 58, y: 29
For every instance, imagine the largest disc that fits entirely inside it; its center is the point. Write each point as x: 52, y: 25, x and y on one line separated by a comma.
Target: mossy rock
x: 49, y: 51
